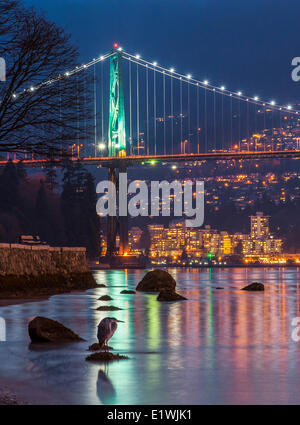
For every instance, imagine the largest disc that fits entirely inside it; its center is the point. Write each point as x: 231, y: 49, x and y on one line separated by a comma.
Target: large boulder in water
x: 255, y: 286
x: 168, y: 295
x: 156, y: 281
x: 42, y: 329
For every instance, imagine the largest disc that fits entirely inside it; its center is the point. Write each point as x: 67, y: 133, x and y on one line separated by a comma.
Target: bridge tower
x: 116, y: 130
x: 116, y: 148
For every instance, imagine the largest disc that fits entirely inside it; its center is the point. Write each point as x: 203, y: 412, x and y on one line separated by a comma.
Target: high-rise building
x: 157, y: 237
x: 225, y: 246
x: 259, y: 226
x: 134, y: 236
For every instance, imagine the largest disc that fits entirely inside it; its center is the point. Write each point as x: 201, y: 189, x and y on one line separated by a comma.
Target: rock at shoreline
x: 104, y: 356
x: 155, y: 281
x: 255, y: 286
x: 105, y: 298
x: 96, y: 347
x: 127, y: 292
x: 42, y: 329
x: 108, y: 308
x: 167, y: 295
x: 101, y: 285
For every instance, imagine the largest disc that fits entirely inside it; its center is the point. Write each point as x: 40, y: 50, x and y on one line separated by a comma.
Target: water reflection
x: 105, y: 389
x: 220, y: 346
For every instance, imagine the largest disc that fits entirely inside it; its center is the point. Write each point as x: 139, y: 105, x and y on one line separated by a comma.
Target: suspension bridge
x: 145, y: 113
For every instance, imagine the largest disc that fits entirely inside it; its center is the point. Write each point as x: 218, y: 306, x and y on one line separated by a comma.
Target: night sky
x: 245, y: 45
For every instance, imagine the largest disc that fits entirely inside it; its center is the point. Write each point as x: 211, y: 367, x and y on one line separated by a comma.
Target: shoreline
x: 20, y: 289
x: 5, y: 302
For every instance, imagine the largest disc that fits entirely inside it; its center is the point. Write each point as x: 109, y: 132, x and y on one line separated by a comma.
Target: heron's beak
x: 122, y: 321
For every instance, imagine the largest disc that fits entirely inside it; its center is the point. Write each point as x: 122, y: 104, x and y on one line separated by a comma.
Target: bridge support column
x: 116, y: 224
x: 123, y: 227
x: 111, y: 221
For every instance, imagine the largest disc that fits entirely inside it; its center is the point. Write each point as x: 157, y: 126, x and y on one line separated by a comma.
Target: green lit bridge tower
x: 116, y: 130
x: 116, y: 148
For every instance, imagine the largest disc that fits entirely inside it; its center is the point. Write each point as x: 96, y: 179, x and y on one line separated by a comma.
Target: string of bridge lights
x: 205, y: 84
x: 62, y: 76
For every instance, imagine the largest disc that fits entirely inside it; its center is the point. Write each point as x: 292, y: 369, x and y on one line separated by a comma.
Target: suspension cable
x: 78, y: 114
x: 154, y: 108
x: 204, y: 84
x: 95, y: 112
x: 130, y: 104
x: 147, y: 109
x: 239, y: 123
x: 231, y: 122
x: 164, y: 109
x: 198, y: 122
x: 102, y: 104
x: 222, y: 122
x: 215, y: 121
x: 189, y: 117
x: 137, y: 109
x: 205, y: 119
x: 181, y: 130
x: 172, y: 117
x: 84, y: 105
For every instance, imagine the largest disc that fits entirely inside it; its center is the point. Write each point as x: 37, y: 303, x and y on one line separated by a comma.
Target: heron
x: 106, y: 328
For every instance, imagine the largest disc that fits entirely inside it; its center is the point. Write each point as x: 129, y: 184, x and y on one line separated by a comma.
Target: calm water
x: 219, y: 347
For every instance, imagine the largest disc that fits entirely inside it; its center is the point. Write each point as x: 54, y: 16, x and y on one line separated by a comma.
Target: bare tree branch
x: 52, y: 118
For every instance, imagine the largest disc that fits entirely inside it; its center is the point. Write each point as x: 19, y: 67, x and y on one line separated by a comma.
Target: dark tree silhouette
x: 36, y: 117
x: 9, y: 189
x: 145, y: 240
x: 43, y: 226
x: 51, y: 176
x: 78, y: 200
x: 21, y: 171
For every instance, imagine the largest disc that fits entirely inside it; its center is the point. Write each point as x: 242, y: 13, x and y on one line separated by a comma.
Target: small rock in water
x: 42, y: 329
x: 168, y: 295
x: 101, y: 285
x: 108, y: 308
x: 104, y: 356
x: 96, y: 347
x: 219, y: 287
x: 105, y: 298
x: 255, y: 286
x: 127, y: 292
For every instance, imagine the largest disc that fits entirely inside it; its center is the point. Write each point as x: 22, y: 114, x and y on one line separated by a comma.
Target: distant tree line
x: 38, y: 206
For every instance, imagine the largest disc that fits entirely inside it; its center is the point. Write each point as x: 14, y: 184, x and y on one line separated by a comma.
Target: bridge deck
x: 129, y: 161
